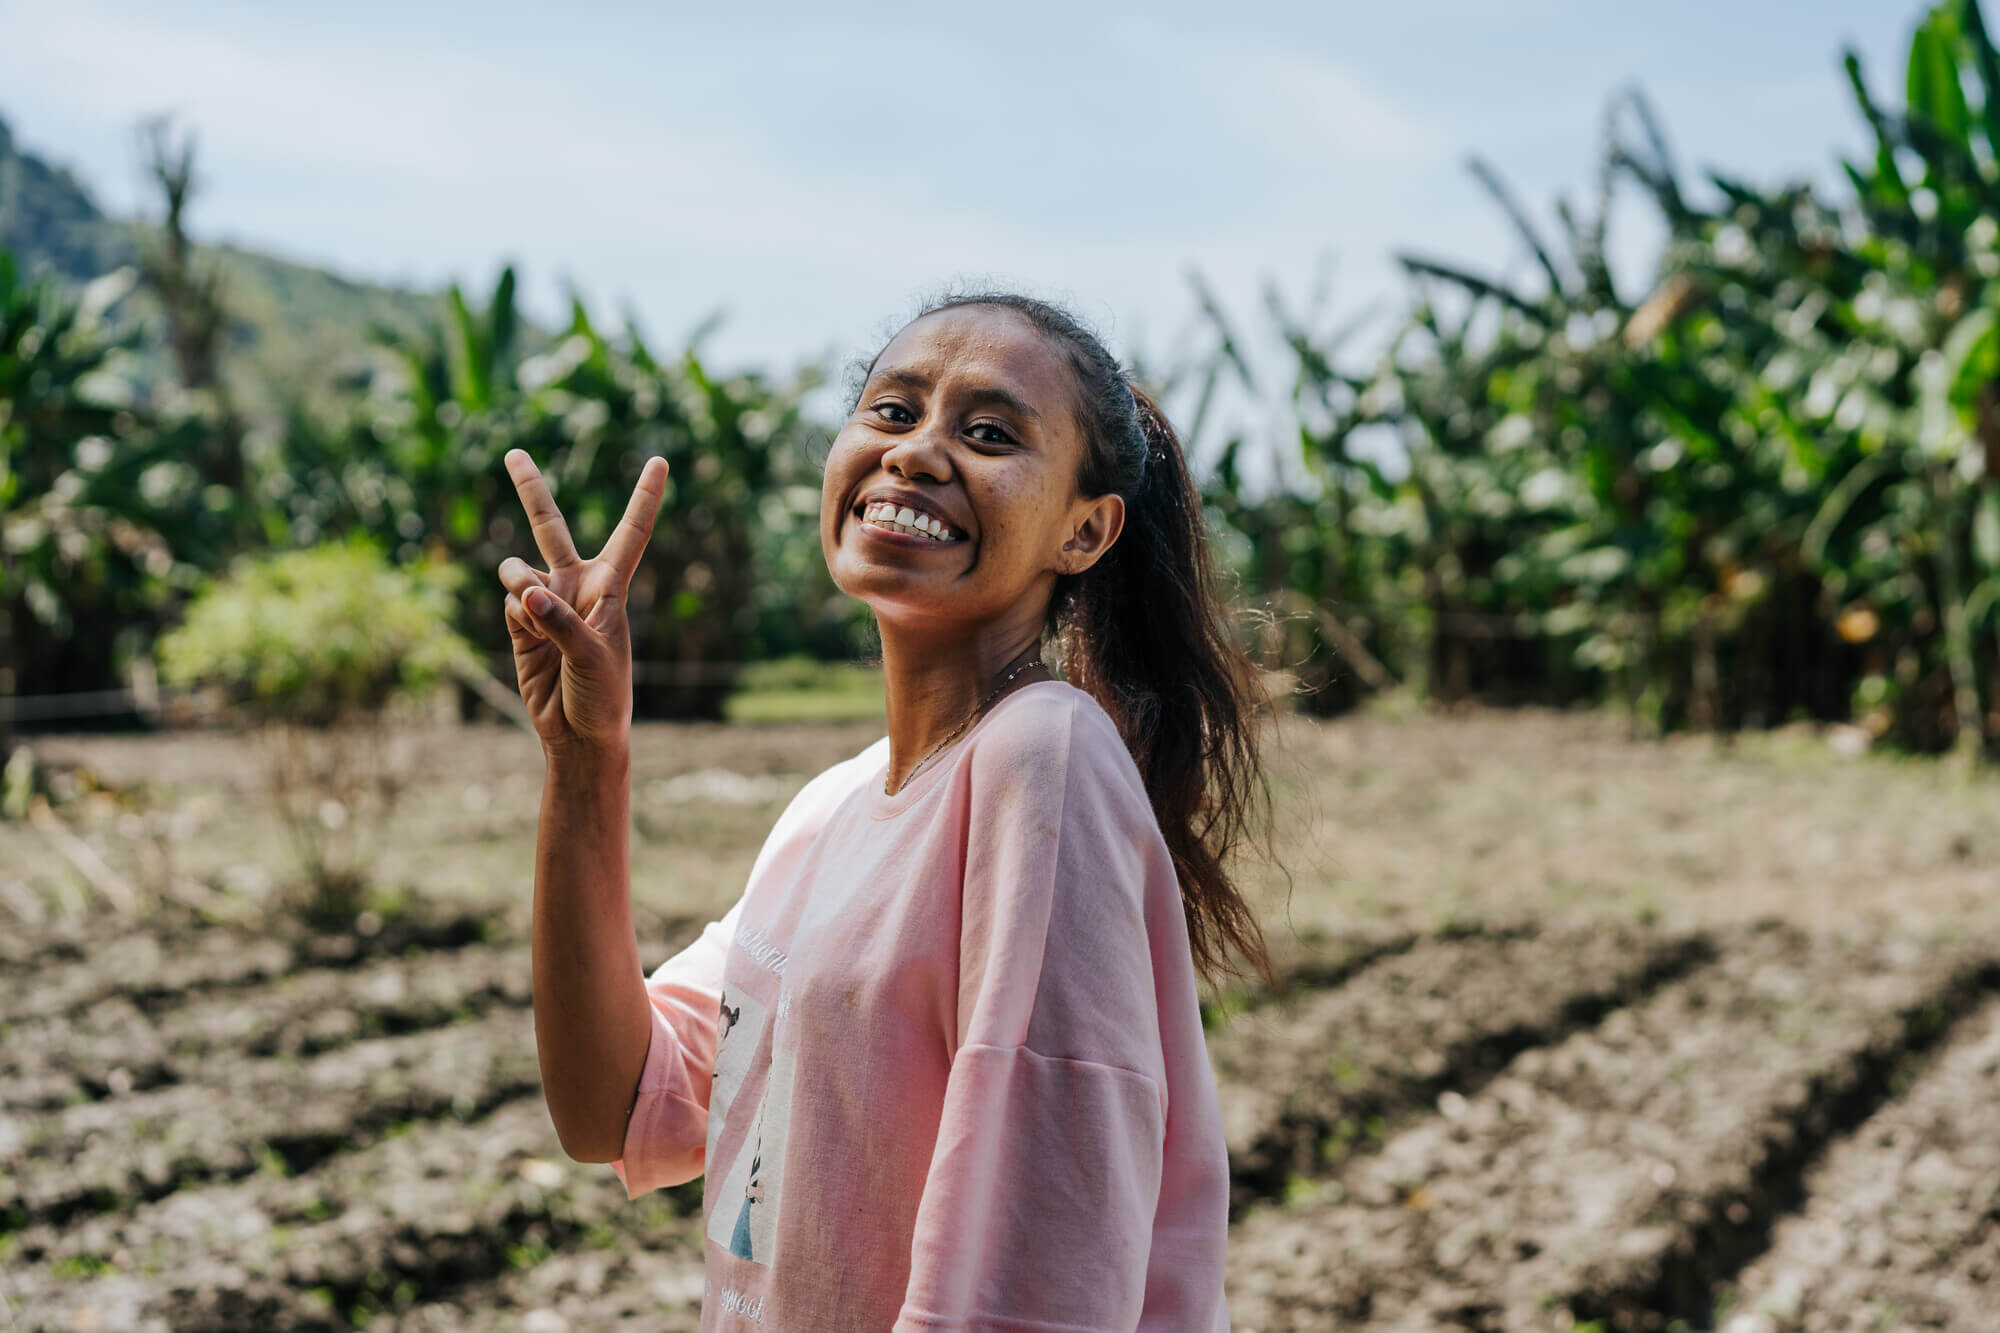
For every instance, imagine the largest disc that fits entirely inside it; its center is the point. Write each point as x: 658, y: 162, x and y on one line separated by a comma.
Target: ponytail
x: 1144, y: 632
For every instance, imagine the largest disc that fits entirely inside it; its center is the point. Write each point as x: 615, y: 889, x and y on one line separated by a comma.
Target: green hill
x: 296, y: 329
x: 50, y: 221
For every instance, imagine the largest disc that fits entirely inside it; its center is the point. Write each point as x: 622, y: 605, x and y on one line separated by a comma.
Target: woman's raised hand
x: 572, y: 642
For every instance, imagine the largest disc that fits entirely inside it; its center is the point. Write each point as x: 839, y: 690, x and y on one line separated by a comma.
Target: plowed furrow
x: 161, y: 970
x: 114, y: 1047
x: 1315, y: 961
x: 658, y: 1287
x: 273, y: 1114
x: 402, y: 1225
x: 1903, y: 1214
x: 24, y: 950
x: 145, y: 968
x: 1613, y: 1176
x: 1303, y: 1082
x: 159, y: 1304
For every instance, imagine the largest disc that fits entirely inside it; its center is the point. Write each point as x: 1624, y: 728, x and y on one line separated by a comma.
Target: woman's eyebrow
x: 898, y: 377
x: 999, y: 397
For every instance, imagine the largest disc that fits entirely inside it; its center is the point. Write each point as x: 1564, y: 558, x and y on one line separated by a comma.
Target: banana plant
x: 737, y: 471
x: 1905, y: 354
x: 96, y: 528
x: 1764, y: 488
x: 419, y: 466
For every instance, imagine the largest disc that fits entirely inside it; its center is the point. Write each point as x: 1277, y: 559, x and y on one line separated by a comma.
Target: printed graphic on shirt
x: 737, y: 1030
x: 744, y: 1219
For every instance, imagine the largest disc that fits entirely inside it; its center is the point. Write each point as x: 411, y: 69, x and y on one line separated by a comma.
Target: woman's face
x: 950, y: 494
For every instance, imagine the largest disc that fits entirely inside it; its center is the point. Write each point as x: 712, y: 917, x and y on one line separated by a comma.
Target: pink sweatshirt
x: 943, y: 1063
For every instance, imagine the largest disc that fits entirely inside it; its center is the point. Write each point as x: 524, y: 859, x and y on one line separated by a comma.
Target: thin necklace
x: 967, y: 721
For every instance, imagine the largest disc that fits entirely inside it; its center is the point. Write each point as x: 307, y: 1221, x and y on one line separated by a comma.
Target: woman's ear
x: 1095, y: 526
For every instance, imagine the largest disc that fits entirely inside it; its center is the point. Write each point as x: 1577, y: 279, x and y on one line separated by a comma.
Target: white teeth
x: 905, y: 519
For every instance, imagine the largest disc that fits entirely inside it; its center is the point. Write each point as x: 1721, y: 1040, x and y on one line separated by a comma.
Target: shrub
x: 321, y: 649
x: 320, y: 637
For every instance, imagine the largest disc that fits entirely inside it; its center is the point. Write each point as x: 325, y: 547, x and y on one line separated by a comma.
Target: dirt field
x: 1580, y: 1031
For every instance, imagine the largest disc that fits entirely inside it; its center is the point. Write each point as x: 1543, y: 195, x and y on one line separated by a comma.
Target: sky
x: 812, y: 171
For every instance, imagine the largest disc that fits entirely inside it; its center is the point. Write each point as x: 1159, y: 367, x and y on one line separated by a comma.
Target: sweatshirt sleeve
x: 1038, y: 1207
x: 666, y: 1133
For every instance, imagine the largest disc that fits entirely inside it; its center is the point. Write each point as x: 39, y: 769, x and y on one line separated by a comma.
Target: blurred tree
x: 197, y: 327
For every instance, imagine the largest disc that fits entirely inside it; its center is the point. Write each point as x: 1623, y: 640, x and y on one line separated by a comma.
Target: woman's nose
x: 921, y: 453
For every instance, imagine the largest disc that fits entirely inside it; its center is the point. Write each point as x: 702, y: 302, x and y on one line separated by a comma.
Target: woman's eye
x: 886, y: 409
x: 995, y: 435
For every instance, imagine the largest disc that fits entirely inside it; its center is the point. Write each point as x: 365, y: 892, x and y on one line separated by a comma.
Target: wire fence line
x: 147, y: 699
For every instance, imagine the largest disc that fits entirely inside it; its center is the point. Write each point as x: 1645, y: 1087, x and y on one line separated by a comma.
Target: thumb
x: 559, y: 620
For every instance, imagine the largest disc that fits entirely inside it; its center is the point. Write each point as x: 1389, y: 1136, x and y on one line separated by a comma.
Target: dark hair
x: 1144, y: 632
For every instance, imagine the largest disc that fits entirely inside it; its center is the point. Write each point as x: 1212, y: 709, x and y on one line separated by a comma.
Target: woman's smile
x: 906, y: 523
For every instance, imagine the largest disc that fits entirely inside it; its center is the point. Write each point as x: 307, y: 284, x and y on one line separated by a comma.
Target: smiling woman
x: 943, y: 1061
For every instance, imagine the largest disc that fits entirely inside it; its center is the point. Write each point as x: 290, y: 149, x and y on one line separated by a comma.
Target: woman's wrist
x: 587, y: 761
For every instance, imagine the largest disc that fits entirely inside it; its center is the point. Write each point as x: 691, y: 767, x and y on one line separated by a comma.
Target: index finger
x: 544, y: 519
x: 629, y: 538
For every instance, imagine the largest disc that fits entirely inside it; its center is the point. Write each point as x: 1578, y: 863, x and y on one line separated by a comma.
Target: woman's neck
x: 934, y: 684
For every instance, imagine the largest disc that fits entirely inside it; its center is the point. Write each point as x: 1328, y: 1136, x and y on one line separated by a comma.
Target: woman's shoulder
x: 1049, y: 733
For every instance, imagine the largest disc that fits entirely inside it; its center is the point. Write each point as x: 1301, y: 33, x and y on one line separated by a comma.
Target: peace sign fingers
x: 544, y: 519
x: 629, y: 538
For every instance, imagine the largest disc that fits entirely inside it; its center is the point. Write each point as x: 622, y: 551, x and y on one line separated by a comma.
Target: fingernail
x: 538, y: 601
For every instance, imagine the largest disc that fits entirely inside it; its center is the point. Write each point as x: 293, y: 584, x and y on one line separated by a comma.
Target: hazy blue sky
x: 814, y: 172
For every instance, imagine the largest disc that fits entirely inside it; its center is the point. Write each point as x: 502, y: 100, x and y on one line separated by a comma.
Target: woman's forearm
x: 592, y: 1023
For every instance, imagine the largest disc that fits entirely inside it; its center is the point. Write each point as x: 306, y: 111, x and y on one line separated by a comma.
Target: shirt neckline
x: 885, y: 807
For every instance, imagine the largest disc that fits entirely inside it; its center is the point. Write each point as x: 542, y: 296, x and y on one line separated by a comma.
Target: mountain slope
x: 295, y: 331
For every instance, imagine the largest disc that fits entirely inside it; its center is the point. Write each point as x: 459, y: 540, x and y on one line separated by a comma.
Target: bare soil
x: 1579, y: 1031
x: 1903, y: 1219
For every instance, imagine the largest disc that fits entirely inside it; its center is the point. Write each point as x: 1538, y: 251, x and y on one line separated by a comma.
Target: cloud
x: 1288, y: 99
x: 813, y: 186
x: 1309, y: 104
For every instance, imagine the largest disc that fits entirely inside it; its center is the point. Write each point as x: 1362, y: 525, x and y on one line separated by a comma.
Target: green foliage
x: 420, y: 468
x: 802, y: 689
x: 320, y: 636
x: 318, y: 645
x: 1764, y: 489
x: 83, y: 1266
x: 98, y: 523
x: 396, y: 434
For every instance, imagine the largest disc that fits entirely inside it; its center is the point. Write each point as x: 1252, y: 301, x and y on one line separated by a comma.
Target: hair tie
x: 1147, y: 449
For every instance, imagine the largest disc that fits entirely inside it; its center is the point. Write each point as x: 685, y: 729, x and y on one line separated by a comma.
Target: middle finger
x: 544, y: 519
